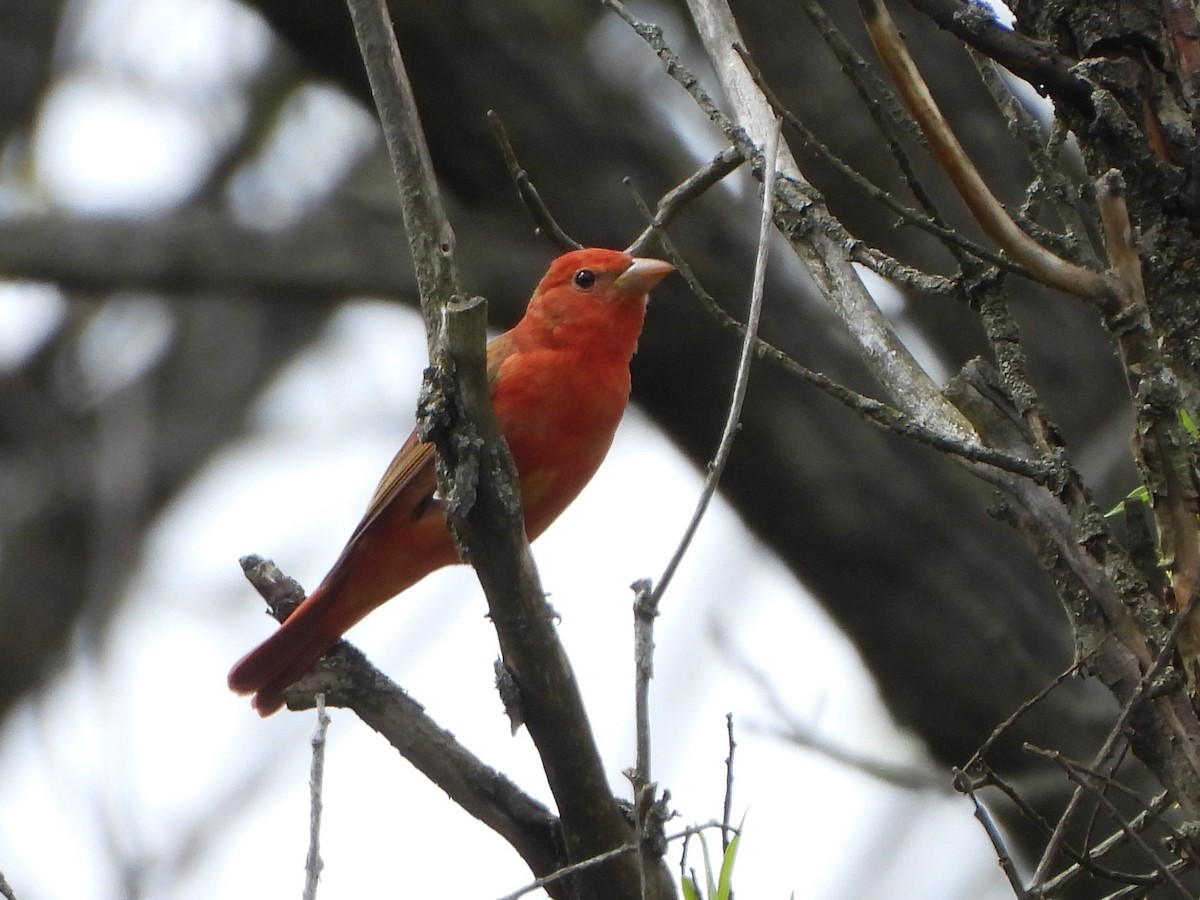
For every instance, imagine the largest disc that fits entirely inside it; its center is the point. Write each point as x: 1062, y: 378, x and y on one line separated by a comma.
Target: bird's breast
x: 558, y: 414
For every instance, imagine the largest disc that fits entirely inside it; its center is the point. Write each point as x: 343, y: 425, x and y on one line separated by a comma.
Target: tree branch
x: 316, y: 782
x: 1037, y: 62
x: 430, y: 238
x: 673, y: 202
x: 1043, y: 265
x: 742, y: 375
x: 200, y: 251
x: 800, y: 215
x: 348, y: 680
x: 543, y: 220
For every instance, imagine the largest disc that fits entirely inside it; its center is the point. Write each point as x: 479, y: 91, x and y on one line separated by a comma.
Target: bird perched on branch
x: 559, y: 385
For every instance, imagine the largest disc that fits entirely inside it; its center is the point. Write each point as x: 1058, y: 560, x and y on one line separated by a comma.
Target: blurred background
x: 208, y: 349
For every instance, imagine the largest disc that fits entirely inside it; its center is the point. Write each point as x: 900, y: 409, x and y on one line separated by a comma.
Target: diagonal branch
x: 1043, y: 265
x: 543, y: 221
x: 1037, y: 62
x: 348, y: 680
x: 800, y: 214
x: 673, y: 202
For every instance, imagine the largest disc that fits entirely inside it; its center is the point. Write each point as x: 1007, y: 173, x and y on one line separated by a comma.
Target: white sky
x: 138, y: 745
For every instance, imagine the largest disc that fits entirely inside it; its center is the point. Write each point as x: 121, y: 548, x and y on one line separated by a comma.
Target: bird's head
x: 593, y: 292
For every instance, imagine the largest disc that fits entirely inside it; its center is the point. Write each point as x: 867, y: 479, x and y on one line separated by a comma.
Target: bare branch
x: 999, y: 730
x: 1156, y: 808
x: 727, y: 805
x: 1044, y: 265
x: 543, y: 220
x: 742, y: 377
x: 931, y: 222
x: 882, y: 105
x: 650, y: 813
x: 800, y: 215
x: 1039, y: 63
x: 430, y: 238
x: 1052, y: 183
x: 673, y: 202
x: 347, y: 679
x: 1085, y: 779
x: 575, y: 868
x: 1117, y: 736
x: 962, y: 783
x: 316, y: 781
x: 898, y: 273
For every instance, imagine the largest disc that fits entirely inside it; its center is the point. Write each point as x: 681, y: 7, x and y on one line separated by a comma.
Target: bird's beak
x: 642, y: 275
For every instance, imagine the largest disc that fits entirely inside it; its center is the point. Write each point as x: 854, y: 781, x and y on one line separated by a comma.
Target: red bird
x: 560, y: 383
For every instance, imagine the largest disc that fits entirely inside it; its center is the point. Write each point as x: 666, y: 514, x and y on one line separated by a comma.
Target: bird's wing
x: 411, y: 477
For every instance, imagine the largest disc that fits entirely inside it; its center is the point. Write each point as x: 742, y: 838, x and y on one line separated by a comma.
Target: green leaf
x: 725, y: 885
x: 690, y: 890
x: 1140, y: 494
x: 1189, y: 423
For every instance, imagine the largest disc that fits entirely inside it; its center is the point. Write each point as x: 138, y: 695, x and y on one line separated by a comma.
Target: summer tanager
x: 560, y: 382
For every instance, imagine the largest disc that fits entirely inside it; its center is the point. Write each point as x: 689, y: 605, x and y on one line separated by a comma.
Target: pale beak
x: 642, y: 275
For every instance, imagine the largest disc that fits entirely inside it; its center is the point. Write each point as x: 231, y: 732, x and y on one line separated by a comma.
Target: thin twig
x: 316, y: 782
x: 5, y: 890
x: 902, y: 275
x: 879, y: 100
x: 930, y: 222
x: 1138, y: 891
x: 653, y: 35
x: 580, y: 866
x: 1051, y: 181
x: 1084, y: 860
x: 725, y: 445
x: 727, y: 806
x: 982, y: 775
x: 1117, y: 733
x: 673, y: 202
x: 645, y: 611
x: 1003, y: 857
x: 876, y: 412
x: 1157, y: 807
x: 1084, y: 778
x: 1033, y: 701
x: 649, y: 812
x: 543, y: 220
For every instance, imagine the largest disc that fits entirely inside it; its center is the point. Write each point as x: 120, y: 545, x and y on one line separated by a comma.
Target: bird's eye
x: 585, y: 279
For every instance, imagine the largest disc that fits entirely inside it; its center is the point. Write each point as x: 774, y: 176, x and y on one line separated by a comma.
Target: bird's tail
x: 272, y: 666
